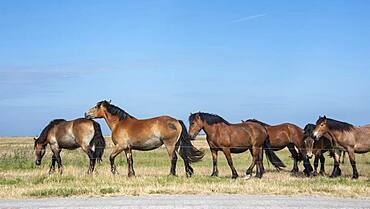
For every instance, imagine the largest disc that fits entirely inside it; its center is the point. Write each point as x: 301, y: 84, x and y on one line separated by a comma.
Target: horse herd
x: 130, y: 133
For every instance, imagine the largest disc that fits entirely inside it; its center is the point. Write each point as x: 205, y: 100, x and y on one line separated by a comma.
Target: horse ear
x: 34, y: 138
x: 243, y: 121
x: 110, y: 101
x: 324, y: 117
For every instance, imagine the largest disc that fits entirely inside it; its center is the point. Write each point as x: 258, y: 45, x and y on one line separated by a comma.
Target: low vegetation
x: 20, y: 178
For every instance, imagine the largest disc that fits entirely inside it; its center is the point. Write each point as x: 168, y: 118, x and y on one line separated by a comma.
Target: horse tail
x: 97, y: 143
x: 187, y: 151
x: 273, y: 158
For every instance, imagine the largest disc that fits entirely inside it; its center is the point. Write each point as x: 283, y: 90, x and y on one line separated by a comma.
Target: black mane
x: 114, y: 110
x: 257, y: 121
x: 210, y: 119
x: 44, y: 133
x: 308, y: 130
x: 336, y: 125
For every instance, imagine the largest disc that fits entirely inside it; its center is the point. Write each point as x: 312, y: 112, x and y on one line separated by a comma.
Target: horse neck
x: 111, y: 120
x: 209, y: 129
x: 335, y: 135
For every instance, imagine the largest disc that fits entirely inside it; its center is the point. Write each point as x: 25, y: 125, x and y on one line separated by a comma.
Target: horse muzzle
x: 88, y: 116
x: 316, y: 136
x: 38, y: 162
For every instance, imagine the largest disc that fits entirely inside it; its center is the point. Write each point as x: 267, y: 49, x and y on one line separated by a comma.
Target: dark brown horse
x: 346, y: 136
x: 287, y: 135
x: 317, y: 148
x: 233, y: 138
x: 61, y: 134
x: 129, y: 133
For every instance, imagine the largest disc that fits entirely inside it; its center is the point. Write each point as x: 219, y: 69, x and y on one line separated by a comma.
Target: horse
x: 316, y: 148
x: 233, y: 138
x: 346, y: 136
x: 287, y: 135
x: 61, y: 134
x: 130, y: 133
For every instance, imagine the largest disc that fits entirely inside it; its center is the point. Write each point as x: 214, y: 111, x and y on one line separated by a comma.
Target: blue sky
x: 278, y: 61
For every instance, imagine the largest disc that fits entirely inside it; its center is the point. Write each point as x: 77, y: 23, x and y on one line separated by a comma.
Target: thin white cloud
x: 251, y: 17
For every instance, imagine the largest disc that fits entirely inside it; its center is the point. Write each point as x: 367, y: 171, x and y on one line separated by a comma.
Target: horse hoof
x: 234, y: 176
x: 259, y: 176
x: 355, y: 177
x: 214, y: 175
x: 131, y: 174
x: 294, y: 171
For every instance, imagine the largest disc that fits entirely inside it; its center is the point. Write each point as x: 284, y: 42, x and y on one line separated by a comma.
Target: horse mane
x: 257, y: 121
x: 336, y: 125
x: 308, y: 129
x: 114, y: 110
x: 44, y: 133
x: 210, y: 119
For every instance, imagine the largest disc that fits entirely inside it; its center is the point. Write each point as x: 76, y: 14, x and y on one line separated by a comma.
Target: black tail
x: 187, y: 151
x: 98, y: 142
x: 273, y: 158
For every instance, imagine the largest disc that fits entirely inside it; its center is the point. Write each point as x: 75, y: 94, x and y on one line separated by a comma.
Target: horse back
x: 73, y: 134
x: 362, y: 139
x: 138, y: 130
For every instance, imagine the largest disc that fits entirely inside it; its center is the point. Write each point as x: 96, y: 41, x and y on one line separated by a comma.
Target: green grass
x: 20, y: 178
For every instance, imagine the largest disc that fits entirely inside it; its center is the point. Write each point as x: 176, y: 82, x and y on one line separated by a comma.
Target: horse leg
x: 214, y: 160
x: 343, y: 155
x: 351, y: 155
x: 315, y: 165
x: 261, y: 161
x: 56, y: 151
x: 294, y: 156
x: 92, y: 158
x: 250, y: 169
x: 336, y: 171
x: 259, y: 169
x: 227, y: 154
x: 322, y: 164
x: 117, y: 149
x: 130, y: 162
x: 59, y: 161
x: 173, y: 157
x: 52, y: 166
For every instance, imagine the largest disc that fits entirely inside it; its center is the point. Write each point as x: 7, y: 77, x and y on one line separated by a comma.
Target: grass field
x: 20, y: 178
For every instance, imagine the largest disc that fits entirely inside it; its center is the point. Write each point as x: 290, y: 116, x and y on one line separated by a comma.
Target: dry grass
x: 20, y: 178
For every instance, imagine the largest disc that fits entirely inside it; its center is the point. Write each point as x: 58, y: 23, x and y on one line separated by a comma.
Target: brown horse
x: 233, y: 138
x: 61, y: 134
x: 129, y: 133
x: 316, y: 148
x: 287, y: 135
x: 344, y: 135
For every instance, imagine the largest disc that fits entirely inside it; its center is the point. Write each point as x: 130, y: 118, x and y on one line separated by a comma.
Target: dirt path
x: 190, y: 201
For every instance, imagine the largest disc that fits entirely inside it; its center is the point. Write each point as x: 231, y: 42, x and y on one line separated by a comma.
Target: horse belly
x: 237, y: 150
x: 149, y: 144
x: 68, y: 142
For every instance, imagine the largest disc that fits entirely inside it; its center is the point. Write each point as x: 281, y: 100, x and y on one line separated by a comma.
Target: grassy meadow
x: 21, y: 178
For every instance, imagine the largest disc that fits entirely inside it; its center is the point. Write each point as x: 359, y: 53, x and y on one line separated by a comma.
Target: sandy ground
x: 190, y: 201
